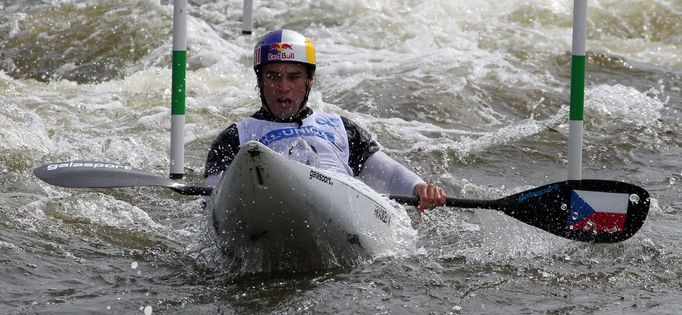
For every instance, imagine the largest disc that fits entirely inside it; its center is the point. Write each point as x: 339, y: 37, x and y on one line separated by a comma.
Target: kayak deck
x: 272, y: 214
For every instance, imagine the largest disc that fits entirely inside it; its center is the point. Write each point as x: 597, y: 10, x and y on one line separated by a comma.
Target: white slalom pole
x: 575, y: 131
x: 179, y: 68
x: 247, y: 17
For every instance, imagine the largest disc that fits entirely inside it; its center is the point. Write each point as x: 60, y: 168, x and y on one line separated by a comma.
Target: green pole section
x: 575, y: 124
x: 178, y: 84
x: 577, y: 87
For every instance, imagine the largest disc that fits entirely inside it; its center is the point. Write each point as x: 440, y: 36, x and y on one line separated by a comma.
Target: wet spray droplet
x: 564, y: 207
x: 589, y: 226
x: 634, y: 198
x: 575, y: 216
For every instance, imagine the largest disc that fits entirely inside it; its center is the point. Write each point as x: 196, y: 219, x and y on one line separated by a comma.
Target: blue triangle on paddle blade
x: 579, y: 209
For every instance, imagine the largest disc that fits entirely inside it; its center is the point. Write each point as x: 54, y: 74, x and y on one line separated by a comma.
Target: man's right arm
x: 222, y: 152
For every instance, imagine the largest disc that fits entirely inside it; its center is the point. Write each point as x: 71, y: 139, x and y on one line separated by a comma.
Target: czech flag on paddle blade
x: 597, y: 211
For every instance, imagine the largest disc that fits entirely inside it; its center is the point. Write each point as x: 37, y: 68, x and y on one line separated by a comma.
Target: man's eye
x: 288, y: 77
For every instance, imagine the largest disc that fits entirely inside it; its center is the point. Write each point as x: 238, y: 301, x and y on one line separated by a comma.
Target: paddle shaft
x: 455, y: 202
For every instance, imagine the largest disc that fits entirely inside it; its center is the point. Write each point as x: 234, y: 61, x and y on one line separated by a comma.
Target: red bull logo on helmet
x: 281, y: 47
x: 278, y: 51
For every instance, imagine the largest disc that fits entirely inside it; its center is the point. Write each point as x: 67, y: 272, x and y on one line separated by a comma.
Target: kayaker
x: 284, y: 62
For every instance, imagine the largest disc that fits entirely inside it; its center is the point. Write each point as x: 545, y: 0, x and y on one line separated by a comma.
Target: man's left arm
x: 383, y: 173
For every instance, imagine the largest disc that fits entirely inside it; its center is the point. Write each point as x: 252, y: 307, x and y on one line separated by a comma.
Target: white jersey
x: 319, y: 140
x: 324, y: 140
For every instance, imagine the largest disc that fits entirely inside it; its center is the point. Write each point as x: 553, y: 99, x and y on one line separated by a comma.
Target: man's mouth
x: 284, y: 101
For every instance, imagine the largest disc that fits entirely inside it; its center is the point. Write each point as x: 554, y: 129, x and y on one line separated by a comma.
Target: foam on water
x: 22, y: 129
x: 89, y: 211
x: 625, y: 104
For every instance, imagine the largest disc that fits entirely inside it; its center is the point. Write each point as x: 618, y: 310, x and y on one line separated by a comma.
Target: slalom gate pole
x: 575, y: 132
x: 178, y: 90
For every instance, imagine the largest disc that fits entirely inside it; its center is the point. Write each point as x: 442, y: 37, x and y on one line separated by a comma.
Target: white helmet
x: 284, y: 46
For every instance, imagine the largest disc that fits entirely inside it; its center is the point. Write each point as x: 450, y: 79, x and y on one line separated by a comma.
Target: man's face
x: 284, y: 86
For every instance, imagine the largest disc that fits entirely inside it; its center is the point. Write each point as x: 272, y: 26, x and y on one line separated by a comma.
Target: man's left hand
x: 430, y: 196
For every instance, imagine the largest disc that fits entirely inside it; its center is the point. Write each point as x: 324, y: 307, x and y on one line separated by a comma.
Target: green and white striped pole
x: 177, y: 157
x: 575, y: 131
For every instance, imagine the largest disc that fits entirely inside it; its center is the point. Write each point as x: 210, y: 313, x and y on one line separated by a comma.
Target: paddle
x: 589, y: 210
x: 599, y: 211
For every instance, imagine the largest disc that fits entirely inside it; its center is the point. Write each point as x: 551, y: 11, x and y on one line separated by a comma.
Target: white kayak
x: 275, y: 214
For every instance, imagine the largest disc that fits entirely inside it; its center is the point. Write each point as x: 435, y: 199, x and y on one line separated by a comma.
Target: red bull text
x: 278, y: 52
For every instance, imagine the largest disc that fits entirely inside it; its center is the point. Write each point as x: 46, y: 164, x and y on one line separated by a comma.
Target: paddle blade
x: 598, y: 211
x: 87, y: 174
x: 84, y: 174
